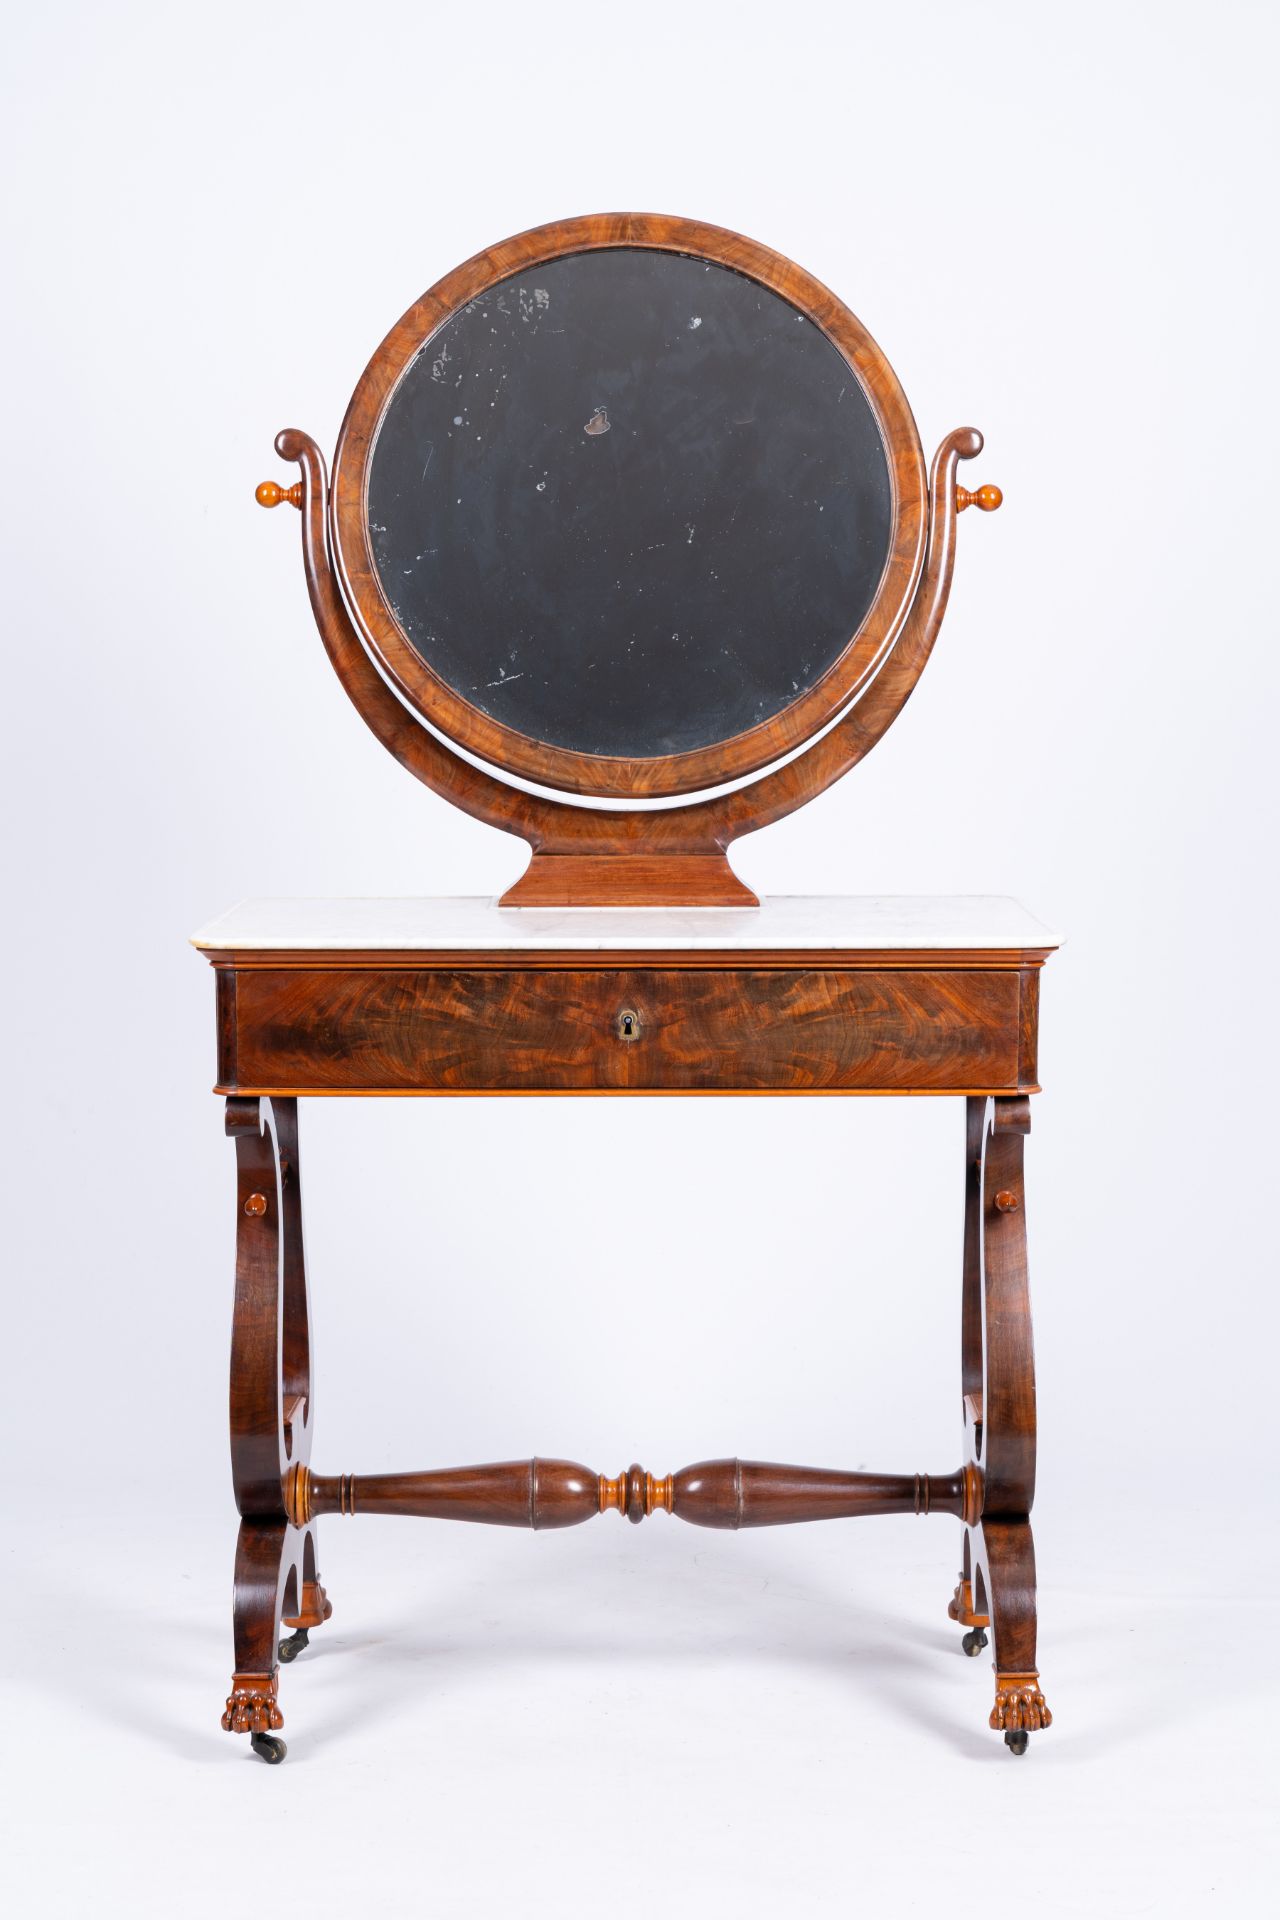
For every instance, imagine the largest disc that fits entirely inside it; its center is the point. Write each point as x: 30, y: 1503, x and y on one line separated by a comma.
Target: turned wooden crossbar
x: 560, y: 1493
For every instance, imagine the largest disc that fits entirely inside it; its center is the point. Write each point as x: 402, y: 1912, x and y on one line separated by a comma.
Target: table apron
x: 626, y: 1029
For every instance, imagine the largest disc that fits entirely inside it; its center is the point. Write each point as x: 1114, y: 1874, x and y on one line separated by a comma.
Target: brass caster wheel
x: 290, y: 1649
x: 1017, y: 1742
x: 973, y: 1643
x: 271, y: 1748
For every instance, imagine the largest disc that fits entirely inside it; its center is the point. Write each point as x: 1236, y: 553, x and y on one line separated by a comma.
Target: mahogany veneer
x: 628, y: 1029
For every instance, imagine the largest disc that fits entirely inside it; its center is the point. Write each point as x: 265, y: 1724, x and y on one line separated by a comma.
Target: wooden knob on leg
x: 986, y: 499
x: 272, y: 494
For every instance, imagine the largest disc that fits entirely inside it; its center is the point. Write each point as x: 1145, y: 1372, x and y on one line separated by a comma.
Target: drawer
x: 354, y: 1029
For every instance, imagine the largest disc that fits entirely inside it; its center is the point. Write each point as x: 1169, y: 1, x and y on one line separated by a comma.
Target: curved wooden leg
x: 998, y: 1580
x: 263, y: 1569
x: 277, y: 1576
x: 1006, y: 1577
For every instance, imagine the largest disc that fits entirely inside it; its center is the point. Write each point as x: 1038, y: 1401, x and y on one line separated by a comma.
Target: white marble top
x: 985, y: 922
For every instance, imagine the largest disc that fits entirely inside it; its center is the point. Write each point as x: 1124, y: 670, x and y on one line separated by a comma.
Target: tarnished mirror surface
x: 629, y: 503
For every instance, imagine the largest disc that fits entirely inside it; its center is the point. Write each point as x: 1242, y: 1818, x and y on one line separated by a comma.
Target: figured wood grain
x: 788, y: 1030
x: 1028, y: 1026
x: 225, y: 1015
x: 634, y: 880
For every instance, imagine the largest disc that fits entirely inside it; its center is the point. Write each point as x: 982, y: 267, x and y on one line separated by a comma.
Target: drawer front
x: 626, y: 1030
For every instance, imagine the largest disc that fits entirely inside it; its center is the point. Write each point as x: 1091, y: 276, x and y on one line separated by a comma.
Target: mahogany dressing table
x: 630, y: 549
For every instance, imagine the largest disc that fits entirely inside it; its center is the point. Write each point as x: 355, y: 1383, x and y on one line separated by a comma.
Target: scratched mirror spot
x: 629, y: 503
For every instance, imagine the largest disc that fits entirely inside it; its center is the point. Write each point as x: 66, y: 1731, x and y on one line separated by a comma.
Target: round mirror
x: 629, y: 519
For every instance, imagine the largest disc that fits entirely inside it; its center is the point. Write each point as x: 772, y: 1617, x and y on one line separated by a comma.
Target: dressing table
x: 630, y: 549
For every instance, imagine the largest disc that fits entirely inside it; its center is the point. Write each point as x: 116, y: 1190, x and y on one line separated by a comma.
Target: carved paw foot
x: 251, y: 1705
x: 1019, y: 1707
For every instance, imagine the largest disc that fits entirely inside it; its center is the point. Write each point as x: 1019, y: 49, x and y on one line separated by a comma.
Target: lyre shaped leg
x: 272, y: 1406
x: 998, y: 1580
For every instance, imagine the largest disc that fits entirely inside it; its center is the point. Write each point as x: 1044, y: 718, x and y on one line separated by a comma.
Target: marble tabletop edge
x: 457, y: 921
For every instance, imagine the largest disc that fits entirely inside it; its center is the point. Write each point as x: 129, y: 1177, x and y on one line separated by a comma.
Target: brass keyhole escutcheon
x: 628, y: 1024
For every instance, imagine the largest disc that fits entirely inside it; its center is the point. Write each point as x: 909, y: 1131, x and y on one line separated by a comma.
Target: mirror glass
x: 629, y: 503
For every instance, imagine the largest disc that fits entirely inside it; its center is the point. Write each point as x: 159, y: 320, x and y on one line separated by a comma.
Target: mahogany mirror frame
x: 602, y: 775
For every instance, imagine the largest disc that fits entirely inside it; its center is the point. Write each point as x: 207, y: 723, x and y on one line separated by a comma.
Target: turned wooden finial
x: 987, y: 498
x: 271, y: 494
x: 635, y: 1493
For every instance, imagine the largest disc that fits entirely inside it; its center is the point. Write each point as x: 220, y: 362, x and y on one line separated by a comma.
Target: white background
x: 1059, y: 223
